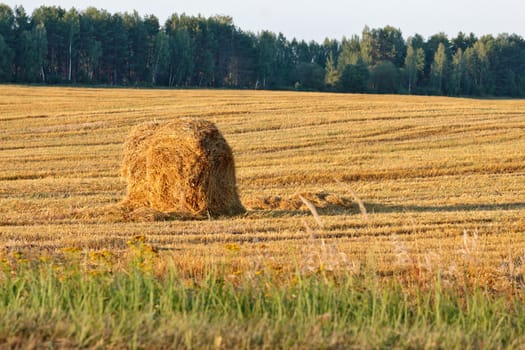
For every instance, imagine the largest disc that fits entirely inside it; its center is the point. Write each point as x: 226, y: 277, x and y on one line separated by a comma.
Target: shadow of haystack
x: 184, y: 168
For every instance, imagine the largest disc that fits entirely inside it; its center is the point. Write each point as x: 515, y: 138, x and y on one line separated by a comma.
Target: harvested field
x: 442, y: 179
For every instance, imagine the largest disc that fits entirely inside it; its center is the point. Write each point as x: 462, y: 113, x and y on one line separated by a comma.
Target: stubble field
x: 430, y: 171
x: 442, y: 181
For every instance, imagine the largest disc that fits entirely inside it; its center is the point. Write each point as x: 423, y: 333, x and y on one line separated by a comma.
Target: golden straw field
x: 442, y: 179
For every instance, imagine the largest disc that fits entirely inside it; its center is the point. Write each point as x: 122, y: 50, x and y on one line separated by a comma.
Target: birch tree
x: 414, y: 65
x: 439, y: 67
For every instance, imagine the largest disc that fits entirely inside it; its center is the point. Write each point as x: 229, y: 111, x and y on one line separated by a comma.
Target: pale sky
x: 315, y: 20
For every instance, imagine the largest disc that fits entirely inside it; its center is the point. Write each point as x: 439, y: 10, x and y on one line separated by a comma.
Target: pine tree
x: 7, y: 43
x: 162, y: 56
x: 6, y: 61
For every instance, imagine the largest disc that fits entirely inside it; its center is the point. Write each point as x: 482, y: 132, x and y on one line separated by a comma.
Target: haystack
x: 184, y: 166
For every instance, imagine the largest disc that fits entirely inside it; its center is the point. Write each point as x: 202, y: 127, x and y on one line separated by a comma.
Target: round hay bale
x: 184, y: 166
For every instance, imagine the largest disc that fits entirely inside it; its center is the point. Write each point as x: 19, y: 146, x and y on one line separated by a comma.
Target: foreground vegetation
x: 430, y: 251
x: 88, y: 301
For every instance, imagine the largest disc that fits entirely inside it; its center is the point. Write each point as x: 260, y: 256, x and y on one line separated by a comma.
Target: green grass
x: 74, y: 303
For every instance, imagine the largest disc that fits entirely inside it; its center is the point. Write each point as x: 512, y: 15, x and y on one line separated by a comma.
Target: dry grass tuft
x: 184, y: 166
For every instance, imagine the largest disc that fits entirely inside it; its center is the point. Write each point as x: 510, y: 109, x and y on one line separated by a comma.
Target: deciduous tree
x: 414, y: 66
x: 439, y: 68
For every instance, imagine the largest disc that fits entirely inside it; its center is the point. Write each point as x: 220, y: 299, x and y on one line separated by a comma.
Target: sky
x: 316, y: 20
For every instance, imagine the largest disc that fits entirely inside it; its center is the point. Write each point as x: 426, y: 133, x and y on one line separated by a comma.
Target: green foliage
x: 332, y: 75
x: 457, y: 79
x: 161, y: 58
x: 354, y: 77
x: 90, y: 46
x: 7, y: 24
x: 142, y: 42
x: 350, y: 53
x: 414, y: 66
x: 27, y: 60
x: 93, y: 46
x: 7, y: 41
x: 477, y: 62
x: 385, y: 78
x: 439, y: 69
x: 385, y: 44
x: 310, y: 76
x: 366, y: 45
x: 6, y: 60
x: 266, y: 57
x: 40, y: 48
x: 181, y: 52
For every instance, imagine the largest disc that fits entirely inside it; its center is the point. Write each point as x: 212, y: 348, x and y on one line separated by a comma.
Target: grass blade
x: 313, y: 210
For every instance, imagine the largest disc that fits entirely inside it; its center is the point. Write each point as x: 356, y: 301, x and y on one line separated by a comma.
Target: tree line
x: 58, y: 46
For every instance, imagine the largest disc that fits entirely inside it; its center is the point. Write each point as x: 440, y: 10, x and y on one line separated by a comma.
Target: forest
x: 94, y: 47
